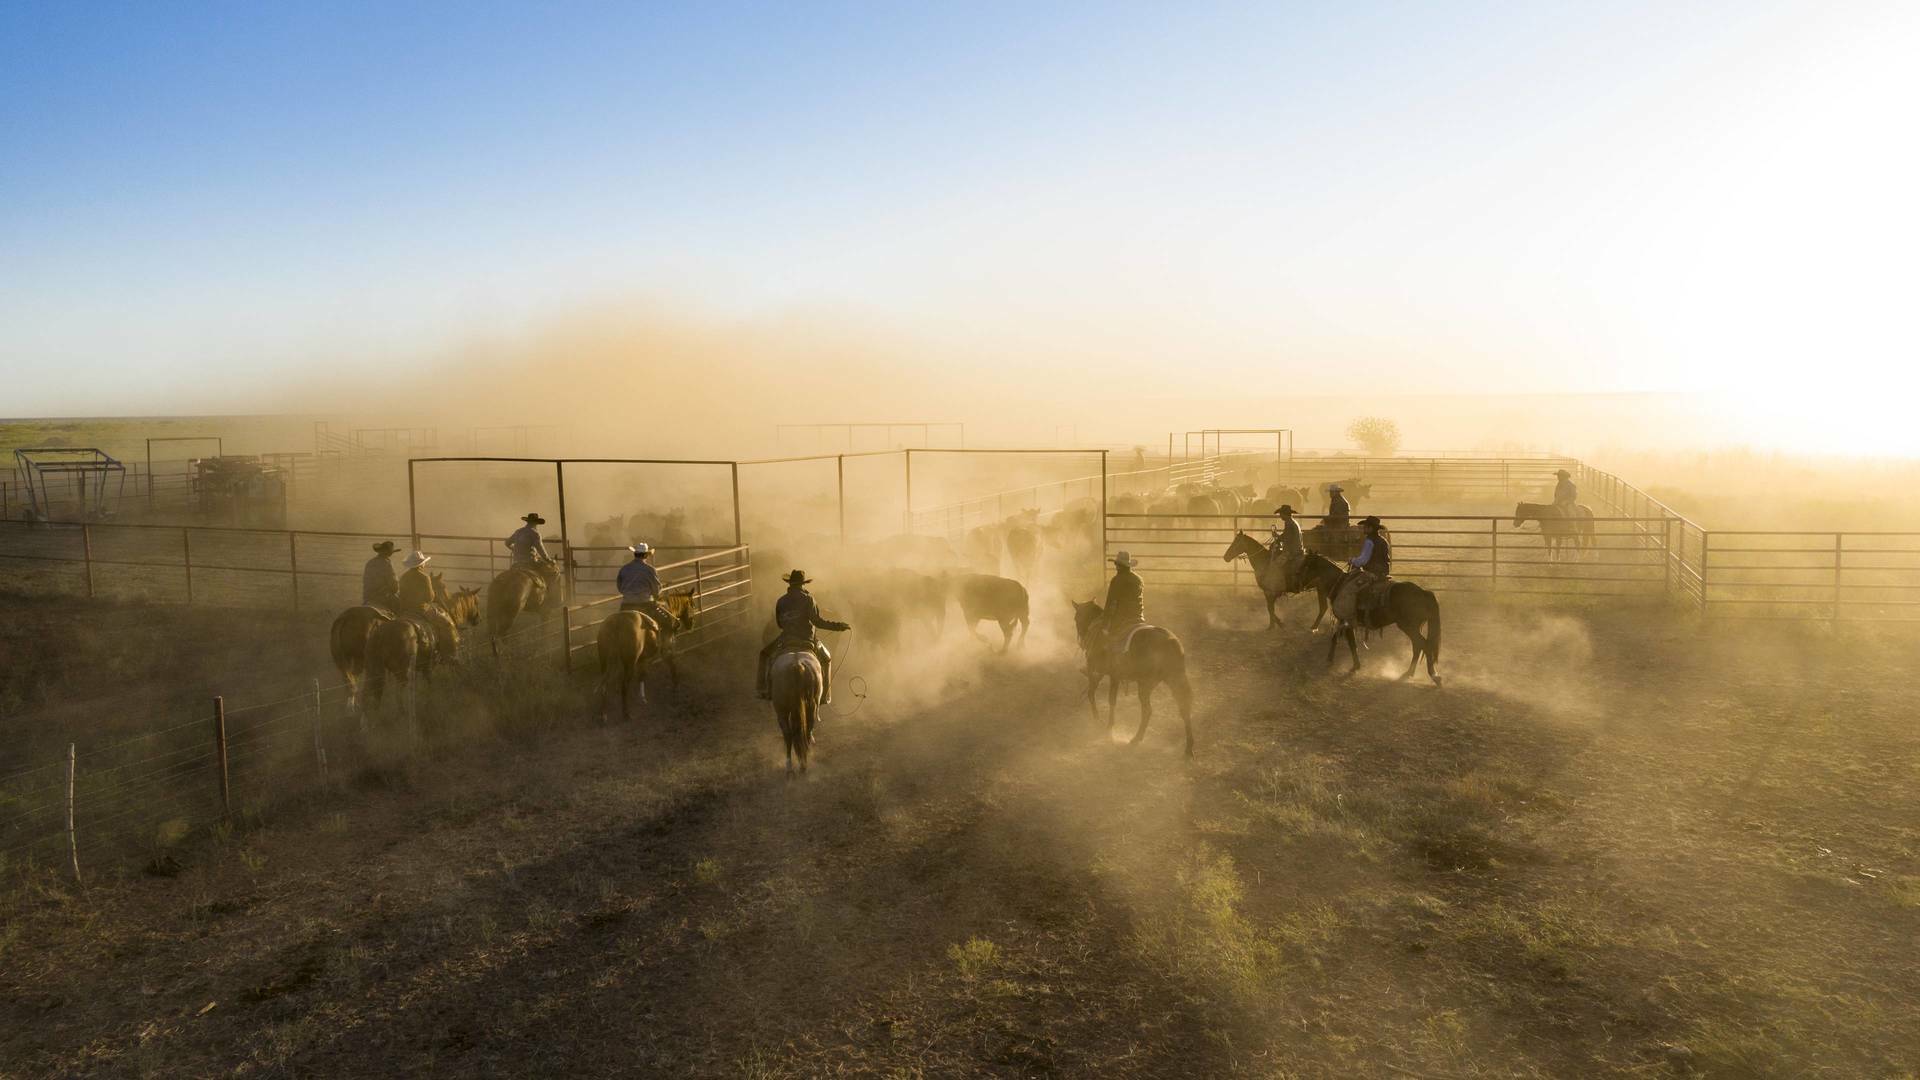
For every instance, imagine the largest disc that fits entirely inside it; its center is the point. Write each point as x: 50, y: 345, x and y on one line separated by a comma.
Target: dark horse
x: 1407, y: 606
x: 1559, y: 528
x: 1153, y: 656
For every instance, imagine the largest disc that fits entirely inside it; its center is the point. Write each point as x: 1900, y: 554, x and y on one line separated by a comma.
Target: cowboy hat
x: 533, y: 519
x: 1285, y: 508
x: 639, y: 549
x: 1369, y: 520
x: 798, y: 577
x: 1123, y: 560
x: 385, y: 547
x: 418, y: 558
x: 1561, y: 472
x: 1331, y: 488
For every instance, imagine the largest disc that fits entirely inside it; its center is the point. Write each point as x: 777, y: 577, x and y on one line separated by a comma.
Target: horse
x: 398, y: 647
x: 517, y: 589
x: 1153, y: 656
x: 1557, y: 528
x: 798, y: 685
x: 1023, y: 550
x: 628, y: 641
x: 1268, y: 571
x: 1408, y: 606
x: 347, y: 640
x: 1002, y: 600
x: 1295, y: 497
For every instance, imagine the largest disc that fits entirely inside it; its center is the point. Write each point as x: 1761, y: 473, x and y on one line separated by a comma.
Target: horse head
x: 465, y: 606
x: 1084, y: 616
x: 1242, y: 545
x: 680, y: 606
x: 1520, y: 514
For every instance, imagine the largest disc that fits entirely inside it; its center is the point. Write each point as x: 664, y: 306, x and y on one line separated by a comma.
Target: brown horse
x: 1558, y: 528
x: 515, y: 590
x: 398, y: 647
x: 798, y: 685
x: 348, y: 643
x: 629, y: 641
x: 1407, y: 606
x: 1268, y: 571
x: 1153, y: 656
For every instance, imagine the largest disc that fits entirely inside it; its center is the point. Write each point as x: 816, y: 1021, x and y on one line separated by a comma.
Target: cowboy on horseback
x: 1375, y: 561
x: 639, y: 585
x: 525, y: 545
x: 1564, y: 493
x: 1287, y: 546
x: 1126, y: 605
x: 379, y: 584
x: 413, y: 599
x: 1337, y: 509
x: 797, y: 614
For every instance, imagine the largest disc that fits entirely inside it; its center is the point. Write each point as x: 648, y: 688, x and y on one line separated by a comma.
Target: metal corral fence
x: 1776, y: 574
x: 1429, y: 478
x: 1458, y: 553
x: 134, y: 798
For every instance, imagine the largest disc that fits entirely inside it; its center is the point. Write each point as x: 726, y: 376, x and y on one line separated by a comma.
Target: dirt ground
x: 1616, y: 843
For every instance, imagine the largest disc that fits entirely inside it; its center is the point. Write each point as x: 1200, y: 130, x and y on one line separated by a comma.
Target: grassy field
x: 1610, y: 846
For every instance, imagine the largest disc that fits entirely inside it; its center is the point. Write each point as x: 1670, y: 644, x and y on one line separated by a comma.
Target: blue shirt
x: 1366, y: 552
x: 638, y: 581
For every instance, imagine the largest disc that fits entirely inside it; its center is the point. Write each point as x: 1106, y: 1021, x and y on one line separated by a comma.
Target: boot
x: 762, y: 684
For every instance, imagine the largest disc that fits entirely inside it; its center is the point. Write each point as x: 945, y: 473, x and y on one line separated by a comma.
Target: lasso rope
x: 856, y: 685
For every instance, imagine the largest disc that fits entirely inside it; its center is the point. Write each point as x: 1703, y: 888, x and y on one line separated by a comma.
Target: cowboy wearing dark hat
x: 379, y: 584
x: 1564, y: 493
x: 1376, y: 555
x: 525, y: 544
x: 1287, y: 545
x: 797, y: 615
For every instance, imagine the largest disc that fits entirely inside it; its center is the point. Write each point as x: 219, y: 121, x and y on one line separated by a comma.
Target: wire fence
x: 106, y: 807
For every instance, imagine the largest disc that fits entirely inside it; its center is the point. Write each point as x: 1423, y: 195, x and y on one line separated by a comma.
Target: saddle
x: 1358, y: 595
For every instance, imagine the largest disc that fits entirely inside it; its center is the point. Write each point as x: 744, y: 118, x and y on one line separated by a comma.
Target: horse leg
x: 1113, y: 701
x: 1333, y: 642
x: 1006, y: 635
x: 1273, y: 619
x: 973, y: 629
x: 1146, y: 711
x: 1321, y: 614
x: 1411, y: 628
x: 1351, y: 648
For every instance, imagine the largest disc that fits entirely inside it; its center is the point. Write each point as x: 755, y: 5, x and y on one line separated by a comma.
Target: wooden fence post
x: 220, y: 755
x: 319, y: 747
x: 566, y: 640
x: 86, y: 543
x: 293, y: 566
x: 73, y: 838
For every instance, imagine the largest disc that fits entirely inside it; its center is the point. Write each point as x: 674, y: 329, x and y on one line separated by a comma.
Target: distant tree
x: 1377, y: 435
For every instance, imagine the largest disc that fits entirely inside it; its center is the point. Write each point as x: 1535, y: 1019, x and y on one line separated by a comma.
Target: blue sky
x: 1539, y: 196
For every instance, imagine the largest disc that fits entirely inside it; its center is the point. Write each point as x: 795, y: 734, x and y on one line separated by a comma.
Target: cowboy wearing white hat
x: 1564, y: 493
x: 415, y: 589
x: 379, y: 582
x: 797, y: 614
x: 639, y: 585
x: 1337, y: 509
x: 525, y: 544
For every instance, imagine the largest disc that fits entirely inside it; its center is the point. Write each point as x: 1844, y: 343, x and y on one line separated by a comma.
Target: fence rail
x: 1459, y: 553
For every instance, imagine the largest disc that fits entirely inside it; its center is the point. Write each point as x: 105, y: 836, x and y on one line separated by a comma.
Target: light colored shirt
x: 638, y: 582
x: 1366, y: 552
x: 527, y: 547
x: 1287, y: 533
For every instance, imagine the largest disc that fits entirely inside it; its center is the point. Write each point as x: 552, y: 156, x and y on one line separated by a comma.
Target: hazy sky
x: 1442, y: 197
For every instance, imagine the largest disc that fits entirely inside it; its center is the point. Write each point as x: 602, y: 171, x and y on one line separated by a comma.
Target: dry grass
x: 1612, y: 846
